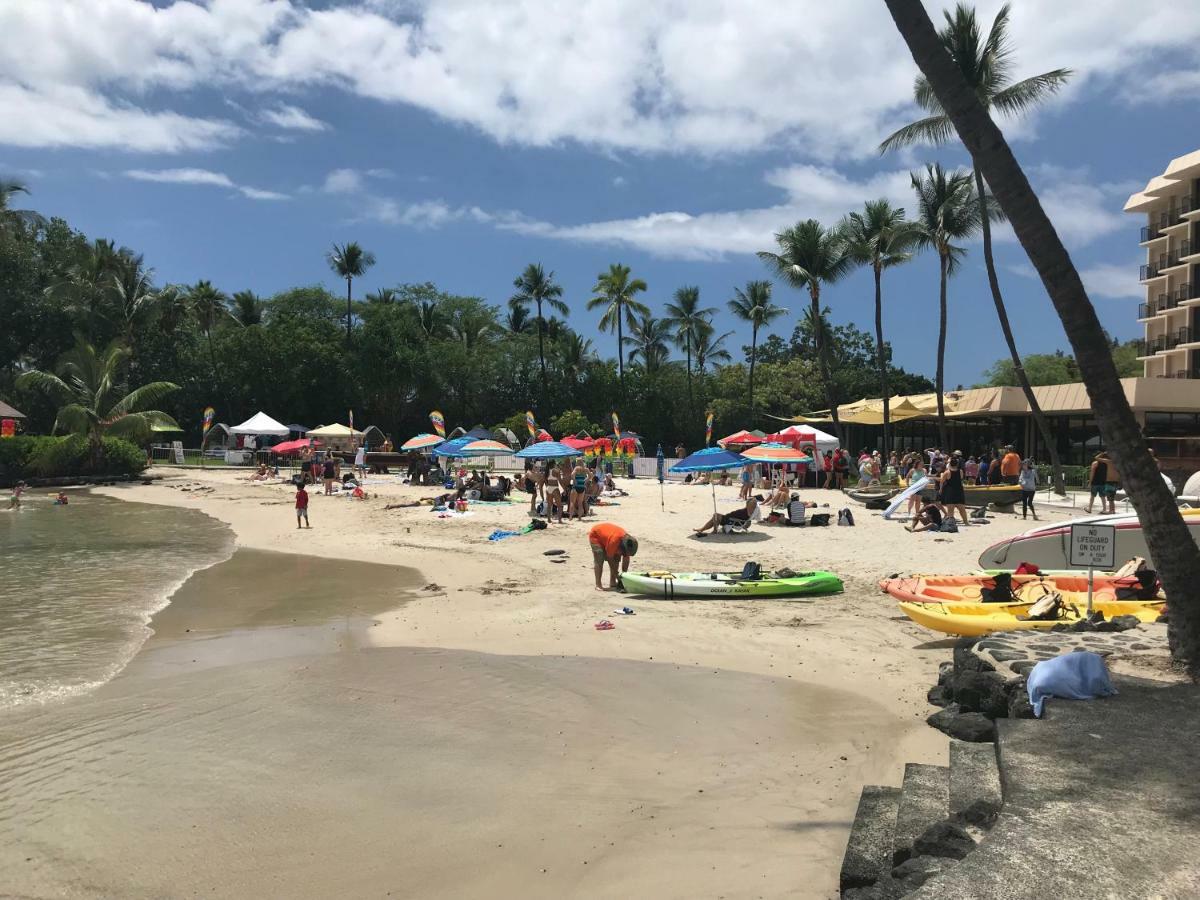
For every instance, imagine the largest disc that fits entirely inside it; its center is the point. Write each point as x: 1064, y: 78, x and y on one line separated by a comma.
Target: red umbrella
x: 577, y: 443
x: 289, y: 447
x: 741, y: 438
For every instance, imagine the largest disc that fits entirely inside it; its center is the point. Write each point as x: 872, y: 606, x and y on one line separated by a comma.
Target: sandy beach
x: 438, y: 717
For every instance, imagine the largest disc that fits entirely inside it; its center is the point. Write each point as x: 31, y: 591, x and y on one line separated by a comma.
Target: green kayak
x: 729, y: 584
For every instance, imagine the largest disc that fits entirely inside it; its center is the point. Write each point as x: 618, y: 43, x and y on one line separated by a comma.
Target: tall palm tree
x: 687, y: 318
x: 1175, y: 554
x: 247, y: 308
x: 537, y: 286
x: 349, y: 261
x: 132, y: 286
x: 384, y: 295
x: 86, y: 288
x: 86, y: 387
x: 211, y: 308
x: 986, y: 64
x: 881, y: 238
x: 710, y: 347
x: 617, y: 293
x: 811, y: 255
x: 12, y: 219
x: 517, y: 319
x: 648, y: 341
x: 575, y: 355
x: 947, y: 212
x: 753, y: 304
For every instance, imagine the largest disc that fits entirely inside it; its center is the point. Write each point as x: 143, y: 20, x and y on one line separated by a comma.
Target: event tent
x: 260, y: 424
x: 804, y: 436
x: 334, y: 431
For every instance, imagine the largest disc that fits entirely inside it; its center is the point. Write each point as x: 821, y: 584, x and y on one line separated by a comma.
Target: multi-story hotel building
x: 1171, y: 238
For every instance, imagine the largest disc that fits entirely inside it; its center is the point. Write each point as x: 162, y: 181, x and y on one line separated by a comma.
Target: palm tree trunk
x: 883, y: 379
x: 814, y: 292
x: 349, y: 281
x: 1174, y: 551
x: 621, y: 350
x: 943, y: 440
x: 542, y: 355
x: 753, y: 354
x: 1035, y: 408
x: 691, y: 396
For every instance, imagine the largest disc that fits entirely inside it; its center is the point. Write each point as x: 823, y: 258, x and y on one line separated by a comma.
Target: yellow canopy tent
x: 334, y: 431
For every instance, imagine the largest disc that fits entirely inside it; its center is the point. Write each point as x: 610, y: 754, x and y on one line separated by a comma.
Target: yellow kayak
x: 975, y: 619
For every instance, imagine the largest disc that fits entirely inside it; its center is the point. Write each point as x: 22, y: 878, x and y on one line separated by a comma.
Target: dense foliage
x: 44, y: 456
x: 1059, y: 367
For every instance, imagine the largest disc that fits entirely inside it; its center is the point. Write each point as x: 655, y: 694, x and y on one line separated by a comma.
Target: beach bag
x: 819, y: 519
x: 1048, y: 608
x: 845, y: 517
x: 948, y: 526
x: 536, y: 524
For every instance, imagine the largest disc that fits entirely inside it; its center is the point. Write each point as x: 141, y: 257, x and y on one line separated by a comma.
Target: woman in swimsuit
x: 579, y: 480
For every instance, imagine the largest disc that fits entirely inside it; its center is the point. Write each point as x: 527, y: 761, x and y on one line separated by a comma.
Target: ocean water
x: 79, y: 583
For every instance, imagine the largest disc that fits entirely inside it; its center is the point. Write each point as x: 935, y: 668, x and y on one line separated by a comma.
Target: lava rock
x: 1126, y: 623
x: 1019, y: 706
x: 1007, y: 655
x: 966, y: 726
x: 965, y: 660
x: 916, y: 871
x: 944, y: 839
x: 938, y: 695
x: 1022, y: 668
x: 981, y: 692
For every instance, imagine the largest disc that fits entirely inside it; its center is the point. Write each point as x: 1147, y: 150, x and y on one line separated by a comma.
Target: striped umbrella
x: 422, y: 442
x: 548, y: 450
x: 486, y: 448
x: 776, y: 453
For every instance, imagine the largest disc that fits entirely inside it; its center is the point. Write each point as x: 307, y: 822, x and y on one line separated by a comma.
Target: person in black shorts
x: 929, y: 519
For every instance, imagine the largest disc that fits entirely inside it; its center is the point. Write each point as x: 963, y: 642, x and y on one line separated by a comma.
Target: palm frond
x: 140, y: 397
x: 1018, y: 98
x: 936, y: 129
x: 46, y: 383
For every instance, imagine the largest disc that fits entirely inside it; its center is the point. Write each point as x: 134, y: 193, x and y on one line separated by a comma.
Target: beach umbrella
x: 711, y: 459
x: 776, y: 453
x: 289, y: 447
x: 452, y: 448
x: 422, y: 442
x: 741, y: 438
x: 547, y: 450
x: 486, y: 448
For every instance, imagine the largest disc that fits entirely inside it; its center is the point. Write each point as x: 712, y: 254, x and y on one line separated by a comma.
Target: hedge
x: 40, y: 456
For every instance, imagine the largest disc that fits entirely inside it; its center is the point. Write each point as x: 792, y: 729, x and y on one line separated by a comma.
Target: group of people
x: 565, y: 489
x: 948, y: 474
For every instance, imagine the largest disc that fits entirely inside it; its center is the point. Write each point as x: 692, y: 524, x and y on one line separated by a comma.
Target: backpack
x: 948, y: 526
x: 819, y: 519
x: 1000, y: 590
x: 536, y: 524
x: 845, y: 517
x: 1050, y: 606
x: 751, y: 571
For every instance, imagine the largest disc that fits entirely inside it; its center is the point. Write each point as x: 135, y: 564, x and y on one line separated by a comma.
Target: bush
x: 28, y: 456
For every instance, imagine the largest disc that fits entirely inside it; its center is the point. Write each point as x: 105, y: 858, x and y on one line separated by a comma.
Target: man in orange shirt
x: 611, y: 543
x: 1010, y: 466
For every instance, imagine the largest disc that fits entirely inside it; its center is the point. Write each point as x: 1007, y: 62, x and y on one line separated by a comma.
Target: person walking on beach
x: 952, y: 495
x: 610, y: 544
x: 1112, y: 485
x: 1098, y: 480
x: 301, y: 505
x: 360, y: 461
x: 981, y: 472
x: 915, y: 474
x: 1028, y: 480
x: 1010, y: 466
x: 579, y: 480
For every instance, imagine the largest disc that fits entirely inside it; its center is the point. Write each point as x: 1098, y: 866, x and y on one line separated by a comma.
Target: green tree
x: 134, y: 294
x: 947, y: 211
x: 85, y: 289
x: 517, y: 319
x: 210, y: 307
x: 575, y: 356
x: 85, y: 388
x: 617, y: 293
x: 13, y: 219
x: 987, y: 63
x: 572, y: 421
x: 648, y: 341
x: 536, y: 286
x: 810, y: 256
x: 247, y: 308
x: 688, y: 319
x: 384, y: 295
x: 349, y: 261
x: 1040, y: 368
x: 881, y: 238
x: 753, y: 304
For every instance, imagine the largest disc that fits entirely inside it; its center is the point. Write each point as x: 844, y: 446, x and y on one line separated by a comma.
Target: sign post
x: 1093, y: 547
x: 177, y: 450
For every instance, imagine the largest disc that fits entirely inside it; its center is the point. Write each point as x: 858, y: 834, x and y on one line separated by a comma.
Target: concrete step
x: 869, y: 849
x: 975, y: 796
x: 924, y: 801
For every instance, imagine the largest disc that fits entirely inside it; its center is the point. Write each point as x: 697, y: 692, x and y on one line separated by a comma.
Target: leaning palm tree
x: 753, y: 304
x: 85, y: 385
x: 810, y: 256
x: 986, y: 64
x: 687, y: 318
x: 1175, y: 554
x: 211, y: 308
x: 13, y: 219
x: 617, y: 293
x: 880, y: 237
x: 648, y: 341
x: 537, y: 286
x: 349, y: 261
x: 247, y: 308
x: 947, y: 211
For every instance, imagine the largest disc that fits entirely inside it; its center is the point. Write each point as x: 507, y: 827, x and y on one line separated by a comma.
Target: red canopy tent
x: 741, y: 438
x: 801, y: 436
x: 578, y: 443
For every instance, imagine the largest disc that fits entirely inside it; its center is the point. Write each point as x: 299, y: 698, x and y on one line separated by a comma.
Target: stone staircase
x: 904, y: 835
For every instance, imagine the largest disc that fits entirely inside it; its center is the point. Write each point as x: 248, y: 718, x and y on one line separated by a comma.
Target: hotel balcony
x: 1149, y: 271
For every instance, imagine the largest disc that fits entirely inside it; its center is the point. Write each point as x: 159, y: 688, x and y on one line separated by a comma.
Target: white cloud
x: 677, y: 76
x: 293, y: 118
x: 342, y: 181
x: 1114, y: 282
x: 425, y: 214
x: 201, y: 177
x: 619, y: 181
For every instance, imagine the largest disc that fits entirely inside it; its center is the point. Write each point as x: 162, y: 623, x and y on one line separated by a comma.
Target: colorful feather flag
x: 209, y: 415
x: 439, y: 423
x: 531, y: 423
x: 351, y: 420
x: 708, y: 420
x: 616, y: 425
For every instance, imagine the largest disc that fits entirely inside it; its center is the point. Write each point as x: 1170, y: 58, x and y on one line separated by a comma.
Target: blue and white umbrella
x: 712, y: 459
x: 547, y: 450
x: 453, y: 449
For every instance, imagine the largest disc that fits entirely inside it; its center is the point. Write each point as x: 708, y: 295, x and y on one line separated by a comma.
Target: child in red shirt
x: 302, y: 505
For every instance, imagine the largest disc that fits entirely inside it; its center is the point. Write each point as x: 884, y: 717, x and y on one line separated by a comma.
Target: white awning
x: 260, y: 423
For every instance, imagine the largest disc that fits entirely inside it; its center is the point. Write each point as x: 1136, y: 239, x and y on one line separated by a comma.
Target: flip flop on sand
x: 605, y: 625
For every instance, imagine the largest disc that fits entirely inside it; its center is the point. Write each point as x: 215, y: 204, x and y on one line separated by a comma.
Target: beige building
x: 1171, y: 237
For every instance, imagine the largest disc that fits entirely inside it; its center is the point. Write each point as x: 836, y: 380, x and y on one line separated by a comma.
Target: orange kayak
x: 969, y: 588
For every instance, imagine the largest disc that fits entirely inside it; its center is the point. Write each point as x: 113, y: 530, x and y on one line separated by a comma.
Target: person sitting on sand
x: 612, y: 544
x: 779, y: 498
x: 262, y: 474
x: 723, y: 481
x: 737, y: 517
x: 929, y: 519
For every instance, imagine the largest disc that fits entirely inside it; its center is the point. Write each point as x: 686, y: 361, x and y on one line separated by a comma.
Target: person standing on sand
x: 1028, y: 480
x: 578, y: 490
x: 1010, y: 466
x: 915, y: 474
x: 952, y: 496
x: 610, y: 544
x: 1111, y: 486
x: 680, y: 453
x: 360, y: 461
x: 301, y: 505
x: 329, y: 472
x: 1097, y: 479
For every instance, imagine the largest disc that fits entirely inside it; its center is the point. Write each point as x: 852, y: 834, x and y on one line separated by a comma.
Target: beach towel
x: 1072, y: 676
x: 500, y: 534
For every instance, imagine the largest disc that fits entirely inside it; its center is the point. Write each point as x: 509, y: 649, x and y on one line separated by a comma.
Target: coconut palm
x: 211, y: 308
x: 880, y: 237
x: 753, y: 304
x: 647, y: 340
x: 86, y: 288
x: 132, y: 286
x: 517, y: 319
x: 809, y: 257
x: 384, y: 295
x: 947, y: 211
x: 349, y: 261
x: 1175, y: 554
x: 686, y: 317
x: 575, y: 355
x: 710, y: 347
x: 986, y: 64
x: 13, y: 219
x: 247, y: 308
x: 86, y: 387
x: 617, y: 293
x: 536, y: 286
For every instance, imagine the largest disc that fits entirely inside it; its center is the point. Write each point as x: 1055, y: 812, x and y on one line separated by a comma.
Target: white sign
x: 177, y: 449
x: 1094, y: 546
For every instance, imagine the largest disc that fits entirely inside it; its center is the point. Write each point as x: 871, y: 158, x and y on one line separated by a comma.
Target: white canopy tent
x: 806, y: 435
x: 261, y: 424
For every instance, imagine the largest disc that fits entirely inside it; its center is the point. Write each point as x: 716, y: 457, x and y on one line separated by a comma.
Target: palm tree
x: 430, y: 319
x: 710, y: 347
x: 349, y: 261
x: 986, y: 64
x: 517, y: 319
x: 648, y: 340
x: 687, y: 318
x: 575, y: 354
x: 247, y: 308
x: 210, y: 307
x: 87, y: 284
x: 810, y: 256
x: 947, y: 211
x: 12, y: 219
x: 384, y: 295
x: 85, y: 385
x: 132, y: 287
x: 538, y: 287
x: 617, y: 293
x: 1175, y: 554
x: 754, y: 305
x: 881, y: 238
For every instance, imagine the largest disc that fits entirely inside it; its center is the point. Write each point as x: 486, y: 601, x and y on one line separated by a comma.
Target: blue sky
x: 235, y: 140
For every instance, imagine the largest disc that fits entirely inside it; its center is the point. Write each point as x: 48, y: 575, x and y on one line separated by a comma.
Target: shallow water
x: 79, y: 583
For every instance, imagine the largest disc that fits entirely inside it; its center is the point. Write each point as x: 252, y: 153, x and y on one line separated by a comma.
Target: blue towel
x: 500, y: 534
x: 1072, y: 676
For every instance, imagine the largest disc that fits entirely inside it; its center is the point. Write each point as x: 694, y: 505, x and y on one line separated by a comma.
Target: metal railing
x: 1181, y: 293
x: 1149, y: 233
x: 1148, y: 271
x: 1180, y: 336
x: 1146, y: 310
